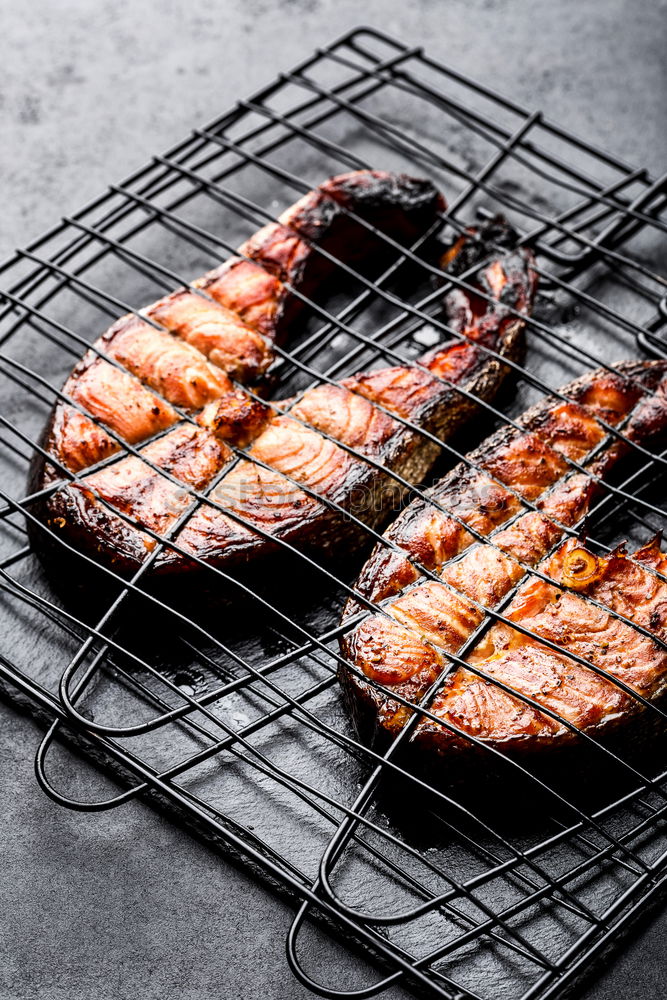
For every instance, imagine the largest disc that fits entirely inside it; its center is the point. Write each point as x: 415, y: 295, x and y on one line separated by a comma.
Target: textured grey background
x: 124, y: 905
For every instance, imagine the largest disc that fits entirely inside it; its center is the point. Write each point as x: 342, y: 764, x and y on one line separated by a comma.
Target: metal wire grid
x: 241, y: 726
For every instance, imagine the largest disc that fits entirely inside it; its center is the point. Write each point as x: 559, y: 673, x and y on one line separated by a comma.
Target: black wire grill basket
x: 236, y: 725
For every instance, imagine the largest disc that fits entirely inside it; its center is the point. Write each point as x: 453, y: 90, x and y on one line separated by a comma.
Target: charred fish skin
x: 309, y: 461
x: 402, y: 649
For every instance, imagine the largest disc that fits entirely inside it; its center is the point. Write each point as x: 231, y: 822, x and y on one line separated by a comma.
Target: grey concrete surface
x: 123, y: 905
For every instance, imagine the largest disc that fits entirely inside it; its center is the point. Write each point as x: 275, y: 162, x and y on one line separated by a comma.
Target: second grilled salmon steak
x: 477, y: 544
x: 172, y: 380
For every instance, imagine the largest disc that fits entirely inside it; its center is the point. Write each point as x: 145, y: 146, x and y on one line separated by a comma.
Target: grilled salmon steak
x: 581, y: 633
x: 219, y: 469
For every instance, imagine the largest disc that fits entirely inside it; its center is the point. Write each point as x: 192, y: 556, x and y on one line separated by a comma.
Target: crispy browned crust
x: 228, y: 335
x: 402, y: 653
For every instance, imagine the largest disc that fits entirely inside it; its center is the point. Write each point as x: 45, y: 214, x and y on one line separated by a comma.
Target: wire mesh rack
x: 234, y: 722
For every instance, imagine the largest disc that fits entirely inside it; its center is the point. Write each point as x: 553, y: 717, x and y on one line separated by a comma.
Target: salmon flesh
x: 181, y: 383
x: 493, y: 536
